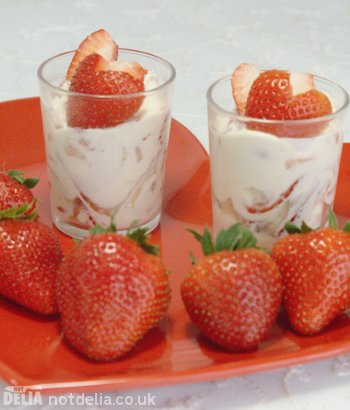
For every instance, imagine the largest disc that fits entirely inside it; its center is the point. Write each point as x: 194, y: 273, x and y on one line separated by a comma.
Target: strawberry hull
x: 99, y: 172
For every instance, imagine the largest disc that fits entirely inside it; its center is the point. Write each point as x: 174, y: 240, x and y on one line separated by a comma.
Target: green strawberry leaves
x: 139, y: 235
x: 239, y: 236
x: 205, y: 239
x: 21, y: 211
x: 291, y: 228
x: 18, y: 212
x: 332, y: 220
x: 18, y: 176
x: 98, y: 229
x: 235, y: 237
x: 346, y: 227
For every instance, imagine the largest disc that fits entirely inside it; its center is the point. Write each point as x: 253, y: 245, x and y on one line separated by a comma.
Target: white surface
x: 204, y: 40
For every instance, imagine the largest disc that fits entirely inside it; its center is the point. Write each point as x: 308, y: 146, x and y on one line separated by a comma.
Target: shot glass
x: 99, y: 173
x: 267, y: 172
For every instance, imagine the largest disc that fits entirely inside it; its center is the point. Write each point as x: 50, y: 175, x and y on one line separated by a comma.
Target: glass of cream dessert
x: 275, y: 157
x: 106, y: 118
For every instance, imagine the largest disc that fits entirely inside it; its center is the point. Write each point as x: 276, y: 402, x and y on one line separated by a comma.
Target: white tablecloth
x: 204, y: 40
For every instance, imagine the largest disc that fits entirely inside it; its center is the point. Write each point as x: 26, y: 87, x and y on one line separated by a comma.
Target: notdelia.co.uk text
x: 21, y: 395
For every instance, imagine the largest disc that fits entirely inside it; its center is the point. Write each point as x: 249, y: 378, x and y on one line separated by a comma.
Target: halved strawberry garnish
x: 242, y: 79
x: 279, y: 95
x: 94, y: 77
x: 269, y: 95
x: 131, y: 67
x: 99, y: 42
x: 311, y: 104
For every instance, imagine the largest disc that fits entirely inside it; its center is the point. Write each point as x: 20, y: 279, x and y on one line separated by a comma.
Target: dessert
x: 315, y: 269
x: 234, y: 292
x: 111, y: 290
x: 106, y: 127
x: 277, y: 157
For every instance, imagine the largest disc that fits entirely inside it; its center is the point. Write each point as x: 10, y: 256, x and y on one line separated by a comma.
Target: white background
x: 204, y: 40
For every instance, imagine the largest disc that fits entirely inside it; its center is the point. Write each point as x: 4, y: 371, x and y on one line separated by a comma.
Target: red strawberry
x: 30, y: 255
x: 16, y: 198
x: 315, y: 268
x: 233, y: 294
x: 269, y: 95
x: 279, y: 95
x: 99, y: 42
x: 93, y: 77
x: 110, y: 292
x: 311, y: 104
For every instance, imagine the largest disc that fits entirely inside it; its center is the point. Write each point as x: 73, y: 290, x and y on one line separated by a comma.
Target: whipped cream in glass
x: 117, y: 171
x: 264, y: 180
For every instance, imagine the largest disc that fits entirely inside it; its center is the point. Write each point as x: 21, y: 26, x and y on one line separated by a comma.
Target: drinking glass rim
x: 244, y: 118
x: 133, y: 95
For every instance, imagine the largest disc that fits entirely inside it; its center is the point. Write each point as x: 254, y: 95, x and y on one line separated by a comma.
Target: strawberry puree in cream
x: 263, y: 180
x: 96, y: 173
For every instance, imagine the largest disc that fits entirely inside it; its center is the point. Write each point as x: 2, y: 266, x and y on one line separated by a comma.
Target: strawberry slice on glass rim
x: 279, y: 96
x: 94, y: 70
x: 92, y: 77
x: 99, y: 42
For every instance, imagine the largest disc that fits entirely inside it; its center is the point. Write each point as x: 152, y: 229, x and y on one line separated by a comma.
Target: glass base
x: 80, y: 233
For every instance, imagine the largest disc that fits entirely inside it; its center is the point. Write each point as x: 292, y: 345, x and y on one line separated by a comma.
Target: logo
x: 26, y: 396
x: 21, y: 395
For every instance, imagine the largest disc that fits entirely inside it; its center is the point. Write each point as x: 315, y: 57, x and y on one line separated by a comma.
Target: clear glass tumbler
x: 97, y: 173
x: 267, y: 172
